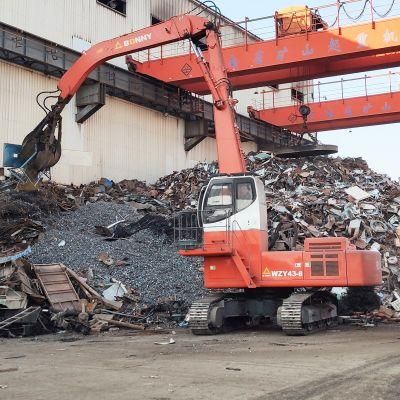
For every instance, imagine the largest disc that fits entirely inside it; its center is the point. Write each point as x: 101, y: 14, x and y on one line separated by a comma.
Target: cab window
x: 244, y: 195
x: 220, y: 195
x: 219, y: 203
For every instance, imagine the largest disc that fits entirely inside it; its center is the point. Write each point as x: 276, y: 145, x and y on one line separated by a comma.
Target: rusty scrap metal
x: 58, y: 288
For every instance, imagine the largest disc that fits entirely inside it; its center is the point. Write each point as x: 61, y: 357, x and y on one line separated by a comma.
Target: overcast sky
x: 379, y: 145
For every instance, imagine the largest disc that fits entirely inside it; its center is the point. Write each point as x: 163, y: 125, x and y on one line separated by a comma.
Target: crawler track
x: 199, y: 315
x: 304, y: 313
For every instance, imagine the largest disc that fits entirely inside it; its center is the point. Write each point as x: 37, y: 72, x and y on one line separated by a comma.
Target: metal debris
x: 171, y: 341
x: 11, y: 299
x: 130, y: 223
x: 58, y: 288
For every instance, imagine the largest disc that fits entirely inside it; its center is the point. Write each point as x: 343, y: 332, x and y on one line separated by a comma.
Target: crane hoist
x: 252, y: 283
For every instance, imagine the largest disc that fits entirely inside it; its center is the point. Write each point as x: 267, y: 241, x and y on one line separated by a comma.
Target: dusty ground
x: 345, y: 363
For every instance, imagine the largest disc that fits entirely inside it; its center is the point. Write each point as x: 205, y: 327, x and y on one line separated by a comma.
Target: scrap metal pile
x: 336, y: 197
x: 45, y: 298
x: 122, y: 232
x: 39, y: 295
x: 323, y: 197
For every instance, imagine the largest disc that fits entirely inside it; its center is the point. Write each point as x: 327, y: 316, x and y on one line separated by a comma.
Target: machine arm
x: 44, y: 150
x: 173, y: 30
x: 230, y: 156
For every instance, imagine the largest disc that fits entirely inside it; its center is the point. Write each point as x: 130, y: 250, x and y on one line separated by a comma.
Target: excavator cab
x: 226, y: 196
x: 231, y: 208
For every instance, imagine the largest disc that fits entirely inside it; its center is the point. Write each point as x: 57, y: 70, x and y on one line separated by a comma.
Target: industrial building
x: 137, y: 134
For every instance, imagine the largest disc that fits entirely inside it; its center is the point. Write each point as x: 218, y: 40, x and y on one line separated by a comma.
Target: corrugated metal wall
x: 61, y: 20
x: 122, y: 140
x: 74, y: 23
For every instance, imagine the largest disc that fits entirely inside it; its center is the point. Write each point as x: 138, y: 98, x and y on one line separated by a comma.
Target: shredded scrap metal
x: 309, y: 197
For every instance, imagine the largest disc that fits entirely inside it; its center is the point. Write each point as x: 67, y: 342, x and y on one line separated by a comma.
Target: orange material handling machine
x: 230, y: 228
x: 291, y: 286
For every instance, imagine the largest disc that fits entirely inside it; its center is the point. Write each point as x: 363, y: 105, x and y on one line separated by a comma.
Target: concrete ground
x: 344, y: 363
